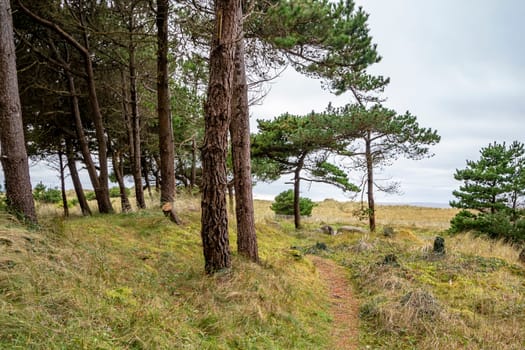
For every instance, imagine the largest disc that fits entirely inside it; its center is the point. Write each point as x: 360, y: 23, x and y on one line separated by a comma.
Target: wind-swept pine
x: 299, y: 145
x: 494, y: 187
x: 380, y: 137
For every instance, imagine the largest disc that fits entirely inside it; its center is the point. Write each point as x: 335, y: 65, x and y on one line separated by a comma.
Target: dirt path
x: 344, y: 307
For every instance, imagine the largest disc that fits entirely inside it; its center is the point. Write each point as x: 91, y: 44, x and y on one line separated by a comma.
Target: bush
x: 114, y: 192
x: 283, y: 204
x: 463, y: 221
x: 90, y: 195
x: 495, y: 226
x: 47, y: 195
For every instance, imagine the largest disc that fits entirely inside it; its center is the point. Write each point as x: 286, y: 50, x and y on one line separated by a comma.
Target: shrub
x: 47, y: 195
x: 114, y: 192
x: 90, y: 195
x: 283, y: 204
x: 495, y: 226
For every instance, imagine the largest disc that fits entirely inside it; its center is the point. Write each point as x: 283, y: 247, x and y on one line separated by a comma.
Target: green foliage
x: 333, y: 175
x: 324, y: 39
x: 114, y: 192
x: 291, y: 143
x: 90, y: 195
x: 494, y: 186
x: 390, y: 135
x: 283, y: 204
x: 47, y: 195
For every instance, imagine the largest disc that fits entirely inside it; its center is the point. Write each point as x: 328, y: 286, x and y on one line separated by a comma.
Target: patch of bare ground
x: 344, y: 308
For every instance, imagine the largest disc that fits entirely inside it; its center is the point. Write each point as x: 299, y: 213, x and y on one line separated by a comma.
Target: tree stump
x: 439, y: 246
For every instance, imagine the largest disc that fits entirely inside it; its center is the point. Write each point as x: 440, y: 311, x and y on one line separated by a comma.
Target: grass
x: 135, y: 281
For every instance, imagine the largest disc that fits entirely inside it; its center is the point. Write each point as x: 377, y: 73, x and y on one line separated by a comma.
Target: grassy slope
x: 135, y: 281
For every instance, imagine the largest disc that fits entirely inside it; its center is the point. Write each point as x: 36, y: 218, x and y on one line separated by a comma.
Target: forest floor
x: 344, y: 307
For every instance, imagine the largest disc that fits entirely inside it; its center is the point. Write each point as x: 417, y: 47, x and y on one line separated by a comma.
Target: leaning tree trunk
x: 81, y: 136
x: 214, y: 230
x: 13, y: 154
x: 166, y: 147
x: 77, y: 184
x: 102, y: 190
x: 117, y: 169
x: 370, y: 184
x: 135, y: 128
x: 63, y: 183
x: 240, y: 139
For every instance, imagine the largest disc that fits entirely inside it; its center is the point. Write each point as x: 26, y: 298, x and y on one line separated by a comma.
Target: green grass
x: 136, y: 281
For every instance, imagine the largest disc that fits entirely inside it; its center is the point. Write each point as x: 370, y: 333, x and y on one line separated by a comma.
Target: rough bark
x: 240, y: 139
x: 166, y: 147
x: 214, y: 220
x: 370, y: 184
x: 13, y: 154
x: 77, y: 184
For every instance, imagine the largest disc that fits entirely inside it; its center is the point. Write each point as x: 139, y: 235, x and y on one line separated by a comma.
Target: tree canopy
x: 302, y: 146
x: 494, y: 188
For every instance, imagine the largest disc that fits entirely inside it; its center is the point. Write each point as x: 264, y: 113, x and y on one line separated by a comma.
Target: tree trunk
x: 214, y: 230
x: 370, y: 183
x: 135, y: 127
x: 240, y: 139
x: 82, y: 139
x: 117, y: 168
x: 102, y: 192
x: 166, y: 147
x: 297, y: 192
x: 296, y: 199
x: 13, y: 154
x: 63, y: 183
x: 126, y: 116
x: 77, y: 184
x: 193, y: 163
x: 231, y: 200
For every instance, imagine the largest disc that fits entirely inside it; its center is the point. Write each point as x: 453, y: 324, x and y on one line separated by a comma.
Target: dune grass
x: 136, y: 281
x: 473, y: 297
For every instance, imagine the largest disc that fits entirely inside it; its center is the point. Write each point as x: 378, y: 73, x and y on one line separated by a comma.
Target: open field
x: 135, y: 281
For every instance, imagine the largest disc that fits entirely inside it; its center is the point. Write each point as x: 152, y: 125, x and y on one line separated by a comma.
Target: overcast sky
x: 459, y: 66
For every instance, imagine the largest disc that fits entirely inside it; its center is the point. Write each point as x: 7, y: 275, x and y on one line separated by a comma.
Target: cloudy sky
x: 459, y: 66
